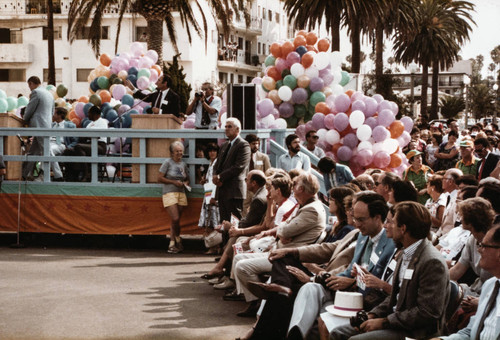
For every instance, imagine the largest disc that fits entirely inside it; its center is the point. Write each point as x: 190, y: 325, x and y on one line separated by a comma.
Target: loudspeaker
x: 241, y: 104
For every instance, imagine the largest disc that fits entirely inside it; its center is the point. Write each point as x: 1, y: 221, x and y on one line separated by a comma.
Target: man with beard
x: 294, y: 159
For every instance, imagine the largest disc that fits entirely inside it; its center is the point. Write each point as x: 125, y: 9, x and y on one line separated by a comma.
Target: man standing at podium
x: 38, y: 114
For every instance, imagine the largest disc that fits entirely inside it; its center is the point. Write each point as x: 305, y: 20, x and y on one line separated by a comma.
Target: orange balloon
x: 395, y: 161
x: 72, y: 114
x: 157, y: 68
x: 396, y: 128
x: 323, y: 45
x: 311, y: 48
x: 275, y: 49
x: 303, y: 81
x: 346, y: 131
x: 322, y: 107
x: 83, y: 99
x: 335, y: 148
x: 274, y: 73
x: 273, y: 95
x: 299, y: 40
x: 286, y: 48
x: 349, y: 93
x: 302, y: 33
x: 76, y: 121
x: 105, y: 96
x: 307, y: 59
x: 105, y: 59
x: 311, y: 38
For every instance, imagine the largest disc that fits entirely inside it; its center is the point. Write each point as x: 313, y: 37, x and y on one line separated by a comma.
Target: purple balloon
x: 341, y: 121
x: 394, y: 108
x: 371, y: 122
x: 276, y: 113
x: 280, y: 64
x: 299, y: 95
x: 378, y: 98
x: 292, y: 58
x: 301, y: 131
x: 122, y: 109
x: 384, y: 105
x: 309, y: 126
x: 265, y: 107
x: 359, y: 105
x: 344, y: 153
x: 316, y: 84
x: 371, y: 106
x: 381, y: 159
x: 324, y: 71
x: 327, y: 78
x: 318, y: 121
x: 358, y: 95
x: 407, y: 122
x: 365, y: 157
x: 385, y: 117
x: 286, y: 110
x: 329, y: 121
x: 350, y: 140
x: 380, y: 134
x: 342, y: 102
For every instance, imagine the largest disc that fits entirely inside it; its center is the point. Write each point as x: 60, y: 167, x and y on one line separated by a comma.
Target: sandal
x: 208, y: 276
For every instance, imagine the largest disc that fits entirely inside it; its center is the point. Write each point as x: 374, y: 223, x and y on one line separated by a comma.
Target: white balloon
x: 337, y: 75
x: 390, y: 145
x: 365, y: 145
x: 332, y: 137
x: 321, y: 133
x: 378, y: 147
x: 267, y: 121
x: 356, y: 119
x: 321, y: 60
x: 364, y: 132
x: 297, y: 70
x: 223, y: 118
x: 337, y: 89
x: 285, y: 93
x: 311, y: 72
x: 280, y: 123
x: 336, y: 59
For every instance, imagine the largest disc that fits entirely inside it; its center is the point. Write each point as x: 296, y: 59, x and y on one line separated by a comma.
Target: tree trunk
x: 155, y: 38
x: 423, y: 103
x: 336, y: 33
x: 379, y: 56
x: 356, y: 46
x: 51, y: 80
x: 435, y: 89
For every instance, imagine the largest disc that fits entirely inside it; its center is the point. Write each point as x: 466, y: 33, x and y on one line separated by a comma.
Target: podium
x: 155, y: 147
x: 12, y: 145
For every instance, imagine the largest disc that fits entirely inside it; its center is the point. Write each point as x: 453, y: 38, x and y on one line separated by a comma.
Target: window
x: 263, y: 13
x: 232, y: 78
x: 8, y: 36
x: 249, y: 79
x: 258, y: 48
x: 223, y: 77
x: 11, y: 75
x: 58, y: 75
x: 82, y: 74
x: 269, y: 15
x: 57, y: 33
x: 264, y: 48
x: 141, y: 33
x: 240, y: 79
x: 277, y: 16
x: 240, y: 43
x: 84, y: 33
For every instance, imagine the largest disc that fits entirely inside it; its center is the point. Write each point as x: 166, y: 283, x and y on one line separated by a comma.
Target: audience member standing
x: 58, y: 144
x: 293, y: 159
x: 38, y: 114
x: 311, y: 144
x: 488, y: 160
x: 231, y: 170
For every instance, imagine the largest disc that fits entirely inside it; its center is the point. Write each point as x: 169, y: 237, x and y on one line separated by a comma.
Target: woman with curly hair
x: 336, y: 206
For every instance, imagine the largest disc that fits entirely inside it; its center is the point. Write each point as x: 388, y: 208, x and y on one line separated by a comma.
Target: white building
x: 23, y: 46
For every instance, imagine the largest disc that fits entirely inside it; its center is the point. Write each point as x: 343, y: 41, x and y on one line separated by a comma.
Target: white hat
x: 346, y: 304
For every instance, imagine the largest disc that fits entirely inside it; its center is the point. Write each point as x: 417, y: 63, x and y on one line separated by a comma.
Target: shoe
x: 217, y: 259
x: 250, y: 311
x: 60, y: 179
x: 226, y: 284
x: 208, y: 276
x: 233, y: 296
x: 266, y: 290
x: 216, y: 280
x: 179, y: 246
x: 173, y: 250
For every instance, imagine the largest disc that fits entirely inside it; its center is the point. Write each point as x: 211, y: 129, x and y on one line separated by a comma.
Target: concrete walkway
x: 112, y: 294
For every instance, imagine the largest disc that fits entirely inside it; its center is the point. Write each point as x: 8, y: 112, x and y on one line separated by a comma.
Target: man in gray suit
x: 38, y: 114
x: 421, y: 285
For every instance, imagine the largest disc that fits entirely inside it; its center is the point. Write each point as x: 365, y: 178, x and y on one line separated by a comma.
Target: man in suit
x: 164, y: 100
x: 489, y: 160
x: 206, y: 107
x: 485, y: 325
x: 373, y: 251
x: 334, y: 174
x: 421, y: 285
x: 258, y: 161
x: 58, y: 144
x: 38, y: 114
x: 230, y: 171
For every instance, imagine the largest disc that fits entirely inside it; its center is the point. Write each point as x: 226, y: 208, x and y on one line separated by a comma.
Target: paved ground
x: 74, y: 293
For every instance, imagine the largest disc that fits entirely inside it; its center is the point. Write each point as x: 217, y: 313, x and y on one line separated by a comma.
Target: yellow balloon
x: 268, y: 83
x: 303, y: 81
x: 273, y: 95
x: 327, y: 91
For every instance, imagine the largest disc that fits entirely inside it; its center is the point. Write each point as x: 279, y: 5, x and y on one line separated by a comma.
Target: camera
x: 357, y: 320
x: 321, y: 279
x: 198, y: 94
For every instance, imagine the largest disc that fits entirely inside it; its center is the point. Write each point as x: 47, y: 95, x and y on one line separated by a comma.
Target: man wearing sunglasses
x: 311, y: 144
x: 488, y: 160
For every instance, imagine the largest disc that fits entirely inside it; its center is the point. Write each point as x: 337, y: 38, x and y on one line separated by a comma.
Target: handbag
x: 213, y: 239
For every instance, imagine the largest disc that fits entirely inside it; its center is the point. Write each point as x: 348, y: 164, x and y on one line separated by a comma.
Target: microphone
x: 21, y: 140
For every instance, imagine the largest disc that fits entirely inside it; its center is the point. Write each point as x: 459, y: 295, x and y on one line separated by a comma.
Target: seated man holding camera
x: 206, y: 107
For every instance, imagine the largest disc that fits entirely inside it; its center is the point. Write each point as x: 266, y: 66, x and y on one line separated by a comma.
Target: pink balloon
x: 154, y: 75
x: 301, y: 131
x: 189, y: 124
x: 342, y: 102
x: 142, y: 83
x: 380, y: 134
x: 265, y: 107
x: 329, y: 121
x: 257, y: 80
x: 153, y: 55
x: 350, y: 140
x: 358, y: 95
x: 119, y: 91
x: 341, y: 121
x: 133, y: 63
x: 384, y: 105
x: 407, y: 122
x: 292, y: 58
x: 378, y: 97
x: 371, y: 122
x: 358, y: 105
x: 365, y: 157
x: 318, y: 121
x: 79, y: 110
x: 280, y: 64
x: 344, y: 153
x: 381, y: 159
x: 385, y: 117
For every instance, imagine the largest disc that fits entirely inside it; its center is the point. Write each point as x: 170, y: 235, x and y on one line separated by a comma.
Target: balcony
x: 238, y: 59
x: 16, y: 53
x: 254, y: 29
x: 40, y: 7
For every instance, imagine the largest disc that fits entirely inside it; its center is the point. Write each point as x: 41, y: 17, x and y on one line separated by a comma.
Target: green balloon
x: 284, y: 73
x: 308, y: 117
x: 291, y: 122
x: 117, y: 81
x: 299, y: 111
x: 3, y: 105
x: 290, y: 81
x: 3, y: 95
x: 144, y: 72
x: 95, y: 99
x: 61, y: 91
x: 103, y: 82
x: 22, y: 101
x: 11, y: 103
x: 316, y: 98
x: 50, y: 87
x: 264, y: 88
x: 279, y: 84
x: 270, y: 60
x: 345, y: 78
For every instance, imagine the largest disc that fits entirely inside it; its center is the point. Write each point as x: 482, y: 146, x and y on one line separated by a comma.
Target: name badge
x: 259, y: 162
x: 392, y: 265
x: 164, y: 102
x: 408, y: 274
x: 374, y: 258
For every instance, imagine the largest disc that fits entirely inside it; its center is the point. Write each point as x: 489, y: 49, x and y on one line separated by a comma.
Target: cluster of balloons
x: 300, y: 74
x: 361, y: 131
x: 11, y: 104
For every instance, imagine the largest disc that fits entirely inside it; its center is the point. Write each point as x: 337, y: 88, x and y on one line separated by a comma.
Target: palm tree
x: 451, y: 106
x: 433, y: 35
x: 155, y: 12
x: 51, y: 79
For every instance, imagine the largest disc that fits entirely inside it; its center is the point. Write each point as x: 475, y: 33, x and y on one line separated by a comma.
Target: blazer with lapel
x: 261, y: 161
x: 422, y: 299
x: 172, y: 100
x: 257, y: 210
x: 385, y: 249
x: 232, y: 169
x: 38, y: 112
x: 489, y: 166
x: 69, y: 141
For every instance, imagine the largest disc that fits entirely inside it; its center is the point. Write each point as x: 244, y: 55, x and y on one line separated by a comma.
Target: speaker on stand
x: 242, y: 104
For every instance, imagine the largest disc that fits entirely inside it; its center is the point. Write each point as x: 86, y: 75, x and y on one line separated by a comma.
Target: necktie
x: 224, y: 155
x: 487, y: 310
x: 368, y: 253
x: 158, y: 99
x: 252, y: 165
x: 481, y: 170
x: 448, y: 199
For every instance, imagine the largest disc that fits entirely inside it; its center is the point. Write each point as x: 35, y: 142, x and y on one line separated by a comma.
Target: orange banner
x: 94, y: 215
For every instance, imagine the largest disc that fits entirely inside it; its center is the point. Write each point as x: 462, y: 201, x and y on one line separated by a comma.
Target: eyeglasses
x: 315, y: 137
x: 359, y: 219
x: 482, y: 245
x: 478, y: 150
